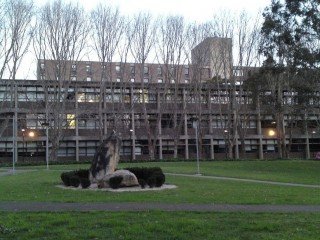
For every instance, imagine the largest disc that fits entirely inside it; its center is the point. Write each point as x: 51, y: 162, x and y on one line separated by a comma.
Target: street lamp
x: 24, y: 152
x: 226, y: 144
x: 46, y: 125
x: 195, y: 125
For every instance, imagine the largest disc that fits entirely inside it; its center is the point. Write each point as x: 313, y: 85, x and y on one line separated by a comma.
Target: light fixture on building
x: 31, y: 134
x: 271, y: 133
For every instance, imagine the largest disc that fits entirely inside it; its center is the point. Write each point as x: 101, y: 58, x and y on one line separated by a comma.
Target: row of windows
x: 118, y: 68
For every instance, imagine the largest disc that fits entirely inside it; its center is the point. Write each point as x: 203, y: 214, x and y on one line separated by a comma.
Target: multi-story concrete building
x: 154, y: 107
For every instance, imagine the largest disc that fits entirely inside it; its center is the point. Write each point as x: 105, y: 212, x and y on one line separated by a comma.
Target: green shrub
x: 160, y: 179
x: 153, y: 176
x: 115, y: 182
x: 74, y: 181
x: 142, y: 182
x: 73, y: 178
x: 65, y: 177
x: 85, y: 182
x: 82, y: 173
x: 151, y: 181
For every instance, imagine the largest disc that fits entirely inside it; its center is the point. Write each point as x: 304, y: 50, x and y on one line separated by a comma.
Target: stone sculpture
x: 105, y: 159
x: 105, y: 162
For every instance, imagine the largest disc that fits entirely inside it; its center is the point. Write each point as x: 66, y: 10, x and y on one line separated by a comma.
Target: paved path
x: 85, y: 207
x: 246, y: 180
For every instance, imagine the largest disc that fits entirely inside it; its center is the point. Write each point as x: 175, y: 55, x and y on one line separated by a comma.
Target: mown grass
x: 41, y: 186
x: 159, y: 225
x: 295, y: 171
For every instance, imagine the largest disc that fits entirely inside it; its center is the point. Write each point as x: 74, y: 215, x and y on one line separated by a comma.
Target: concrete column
x: 133, y: 132
x: 259, y: 132
x: 77, y: 124
x: 186, y: 141
x: 307, y: 138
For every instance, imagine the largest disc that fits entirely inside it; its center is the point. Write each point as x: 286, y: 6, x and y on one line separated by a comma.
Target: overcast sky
x: 193, y: 10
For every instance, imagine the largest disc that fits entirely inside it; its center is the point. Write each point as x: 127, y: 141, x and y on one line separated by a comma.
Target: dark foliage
x: 74, y: 178
x: 142, y: 183
x: 115, y: 182
x: 82, y: 173
x: 154, y: 176
x: 160, y: 179
x: 74, y: 181
x: 65, y: 177
x: 151, y: 181
x: 85, y: 182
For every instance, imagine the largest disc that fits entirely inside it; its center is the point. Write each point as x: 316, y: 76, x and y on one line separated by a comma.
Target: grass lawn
x: 159, y: 225
x: 296, y: 171
x: 41, y: 185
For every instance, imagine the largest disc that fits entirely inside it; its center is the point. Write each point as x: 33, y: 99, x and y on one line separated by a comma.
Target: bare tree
x: 245, y: 45
x: 196, y: 44
x: 107, y: 31
x: 15, y: 37
x: 170, y: 54
x: 60, y: 36
x: 143, y: 37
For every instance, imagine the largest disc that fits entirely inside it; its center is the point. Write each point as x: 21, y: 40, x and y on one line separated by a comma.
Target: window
x: 146, y: 70
x: 173, y: 81
x: 172, y: 71
x: 159, y: 71
x: 73, y: 78
x: 132, y: 69
x: 73, y: 66
x: 145, y: 80
x: 118, y: 69
x: 132, y: 80
x: 186, y: 81
x: 186, y: 71
x: 118, y: 80
x: 71, y: 122
x: 160, y: 80
x: 89, y: 79
x: 238, y: 73
x: 88, y: 68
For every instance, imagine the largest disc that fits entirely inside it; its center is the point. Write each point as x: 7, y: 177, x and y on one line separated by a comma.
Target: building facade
x: 160, y: 111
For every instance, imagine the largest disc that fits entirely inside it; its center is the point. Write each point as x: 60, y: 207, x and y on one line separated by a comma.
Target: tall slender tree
x: 61, y: 34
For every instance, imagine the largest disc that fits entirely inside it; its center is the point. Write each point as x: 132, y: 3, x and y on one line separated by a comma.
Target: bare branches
x: 143, y: 36
x: 107, y: 29
x: 61, y: 33
x: 15, y: 34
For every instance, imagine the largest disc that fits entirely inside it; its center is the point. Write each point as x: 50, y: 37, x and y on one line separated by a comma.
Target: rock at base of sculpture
x: 128, y: 179
x: 105, y: 159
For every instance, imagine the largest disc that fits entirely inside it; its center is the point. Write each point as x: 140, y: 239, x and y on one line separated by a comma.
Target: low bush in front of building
x: 153, y: 177
x: 75, y: 178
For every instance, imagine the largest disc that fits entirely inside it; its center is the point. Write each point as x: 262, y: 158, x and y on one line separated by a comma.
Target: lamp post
x: 195, y: 125
x: 23, y: 143
x: 132, y: 145
x: 46, y: 125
